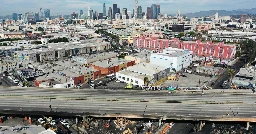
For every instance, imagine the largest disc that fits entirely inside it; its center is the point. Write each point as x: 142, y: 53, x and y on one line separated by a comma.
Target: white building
x: 172, y: 58
x: 136, y: 74
x: 117, y: 15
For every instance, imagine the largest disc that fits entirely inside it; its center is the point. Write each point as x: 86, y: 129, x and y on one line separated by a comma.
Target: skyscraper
x: 92, y: 14
x: 132, y: 12
x: 81, y: 12
x: 129, y: 14
x: 96, y: 15
x: 47, y: 13
x: 37, y: 16
x: 149, y: 13
x: 100, y: 16
x: 139, y: 12
x: 118, y: 10
x: 114, y: 10
x: 110, y: 16
x: 158, y: 9
x: 117, y: 16
x: 73, y: 15
x: 124, y: 13
x: 19, y: 16
x: 15, y: 16
x: 104, y: 10
x: 154, y: 11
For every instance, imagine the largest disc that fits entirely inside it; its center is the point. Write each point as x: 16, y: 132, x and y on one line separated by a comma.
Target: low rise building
x: 12, y: 35
x: 111, y: 65
x: 140, y: 57
x: 173, y: 58
x: 198, y: 48
x: 138, y: 73
x: 245, y: 77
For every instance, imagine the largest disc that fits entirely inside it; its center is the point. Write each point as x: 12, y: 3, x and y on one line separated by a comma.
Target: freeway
x: 213, y: 105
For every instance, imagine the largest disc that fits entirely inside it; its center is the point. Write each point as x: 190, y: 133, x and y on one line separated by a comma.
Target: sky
x: 66, y: 7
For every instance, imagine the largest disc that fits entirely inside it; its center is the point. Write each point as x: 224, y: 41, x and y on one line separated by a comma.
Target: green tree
x: 180, y: 34
x: 146, y: 81
x: 40, y: 29
x: 231, y: 73
x: 248, y: 48
x: 192, y: 33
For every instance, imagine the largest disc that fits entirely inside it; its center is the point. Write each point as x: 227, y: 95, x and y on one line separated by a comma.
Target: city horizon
x: 67, y: 7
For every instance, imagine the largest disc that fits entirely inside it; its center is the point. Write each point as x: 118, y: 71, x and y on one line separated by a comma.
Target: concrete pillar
x: 84, y: 121
x: 247, y: 125
x: 160, y: 122
x: 201, y: 125
x: 25, y: 118
x: 30, y: 120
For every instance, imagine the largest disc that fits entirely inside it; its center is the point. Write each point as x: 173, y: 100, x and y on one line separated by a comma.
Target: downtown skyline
x: 64, y: 7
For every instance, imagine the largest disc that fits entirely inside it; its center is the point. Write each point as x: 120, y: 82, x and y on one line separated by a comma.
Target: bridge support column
x: 247, y: 125
x: 30, y: 120
x: 84, y: 121
x: 201, y: 125
x: 160, y: 122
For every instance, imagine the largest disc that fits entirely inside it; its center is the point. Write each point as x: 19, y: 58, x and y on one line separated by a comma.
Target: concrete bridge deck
x: 214, y: 105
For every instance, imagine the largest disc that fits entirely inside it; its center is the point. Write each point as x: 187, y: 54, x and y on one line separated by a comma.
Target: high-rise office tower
x: 129, y: 14
x: 92, y: 14
x: 96, y: 15
x: 73, y: 15
x: 81, y: 12
x: 124, y: 11
x: 117, y: 16
x: 37, y: 16
x: 149, y: 13
x: 136, y: 9
x: 15, y: 16
x: 114, y: 10
x: 110, y: 15
x: 47, y: 13
x: 104, y: 9
x: 118, y: 10
x: 154, y: 11
x: 100, y: 16
x: 132, y: 12
x: 139, y: 12
x: 158, y: 9
x: 19, y: 16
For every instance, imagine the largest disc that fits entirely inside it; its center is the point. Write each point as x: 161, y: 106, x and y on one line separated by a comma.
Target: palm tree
x: 231, y: 73
x: 146, y: 80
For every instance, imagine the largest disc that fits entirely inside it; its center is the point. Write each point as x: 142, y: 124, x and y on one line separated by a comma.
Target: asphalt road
x: 131, y: 103
x: 7, y: 82
x: 225, y: 75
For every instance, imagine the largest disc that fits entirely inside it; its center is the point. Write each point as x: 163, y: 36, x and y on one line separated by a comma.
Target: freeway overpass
x: 214, y: 105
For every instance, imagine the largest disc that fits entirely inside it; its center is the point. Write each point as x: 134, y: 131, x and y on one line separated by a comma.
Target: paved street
x: 216, y: 106
x: 225, y: 75
x: 7, y: 82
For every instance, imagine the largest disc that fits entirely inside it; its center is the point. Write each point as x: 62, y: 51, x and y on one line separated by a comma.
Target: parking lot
x: 187, y: 80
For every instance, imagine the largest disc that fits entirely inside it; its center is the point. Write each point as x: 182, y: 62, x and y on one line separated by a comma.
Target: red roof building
x: 198, y: 48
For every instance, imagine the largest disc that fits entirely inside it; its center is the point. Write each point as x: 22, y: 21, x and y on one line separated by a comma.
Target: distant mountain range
x: 221, y: 12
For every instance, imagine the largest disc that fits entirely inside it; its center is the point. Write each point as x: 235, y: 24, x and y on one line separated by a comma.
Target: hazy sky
x: 8, y: 7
